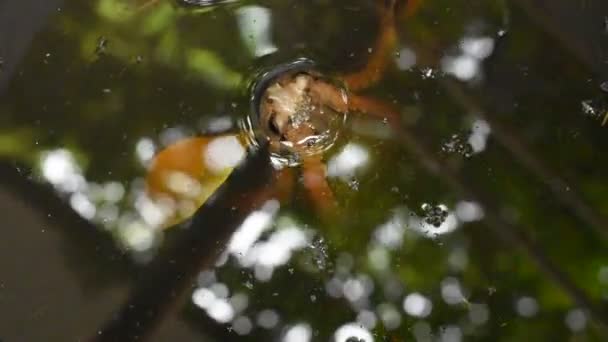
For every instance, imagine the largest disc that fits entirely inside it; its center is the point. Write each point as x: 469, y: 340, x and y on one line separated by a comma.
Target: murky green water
x: 483, y: 218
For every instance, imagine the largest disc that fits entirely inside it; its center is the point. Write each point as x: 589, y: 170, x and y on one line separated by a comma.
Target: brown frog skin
x: 296, y: 112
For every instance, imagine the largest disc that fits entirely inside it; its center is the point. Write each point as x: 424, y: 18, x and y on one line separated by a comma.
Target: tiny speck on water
x: 1, y: 64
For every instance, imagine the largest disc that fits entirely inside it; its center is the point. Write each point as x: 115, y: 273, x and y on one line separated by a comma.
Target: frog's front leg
x: 380, y: 53
x: 384, y: 46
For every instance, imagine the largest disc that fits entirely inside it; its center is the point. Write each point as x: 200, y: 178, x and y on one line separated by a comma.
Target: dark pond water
x: 479, y: 216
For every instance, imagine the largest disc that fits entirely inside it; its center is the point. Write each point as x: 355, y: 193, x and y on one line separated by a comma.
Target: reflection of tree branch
x: 85, y: 243
x: 504, y: 229
x: 563, y: 191
x: 170, y: 276
x: 577, y: 25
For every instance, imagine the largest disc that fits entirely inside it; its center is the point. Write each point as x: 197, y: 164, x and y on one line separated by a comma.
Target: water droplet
x: 370, y: 50
x: 604, y: 86
x: 427, y: 73
x: 595, y: 109
x: 102, y: 46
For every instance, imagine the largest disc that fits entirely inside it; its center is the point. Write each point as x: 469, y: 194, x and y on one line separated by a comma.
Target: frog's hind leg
x: 377, y: 109
x: 319, y: 192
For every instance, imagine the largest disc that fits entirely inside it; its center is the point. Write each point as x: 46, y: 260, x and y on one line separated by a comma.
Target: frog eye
x: 272, y: 125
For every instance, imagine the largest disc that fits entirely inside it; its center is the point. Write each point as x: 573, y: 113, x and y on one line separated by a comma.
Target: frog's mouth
x: 299, y: 112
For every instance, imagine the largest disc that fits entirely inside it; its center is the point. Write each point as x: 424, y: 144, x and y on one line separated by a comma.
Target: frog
x: 299, y: 112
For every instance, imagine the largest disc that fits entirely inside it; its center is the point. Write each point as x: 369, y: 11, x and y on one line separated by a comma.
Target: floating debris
x: 434, y: 214
x: 102, y: 46
x: 456, y: 144
x: 595, y: 109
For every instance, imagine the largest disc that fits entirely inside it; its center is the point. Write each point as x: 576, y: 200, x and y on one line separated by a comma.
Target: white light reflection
x: 479, y: 314
x: 451, y: 333
x: 417, y: 305
x: 298, y: 333
x: 279, y: 247
x: 82, y: 205
x: 221, y: 311
x: 344, y: 165
x: 406, y: 58
x: 60, y: 169
x: 266, y: 255
x: 576, y: 320
x: 254, y: 25
x: 367, y: 318
x: 223, y: 153
x: 203, y: 298
x: 144, y: 150
x: 220, y: 290
x: 451, y: 291
x: 349, y: 330
x: 602, y: 275
x: 463, y: 67
x: 252, y: 228
x: 526, y: 306
x: 467, y: 65
x: 138, y: 236
x: 480, y: 48
x: 268, y: 319
x: 480, y: 131
x: 379, y: 258
x: 390, y: 316
x: 422, y: 332
x: 390, y: 234
x: 447, y: 226
x: 219, y: 124
x: 239, y: 302
x: 353, y: 290
x: 171, y: 135
x: 469, y: 211
x: 113, y: 192
x: 242, y: 325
